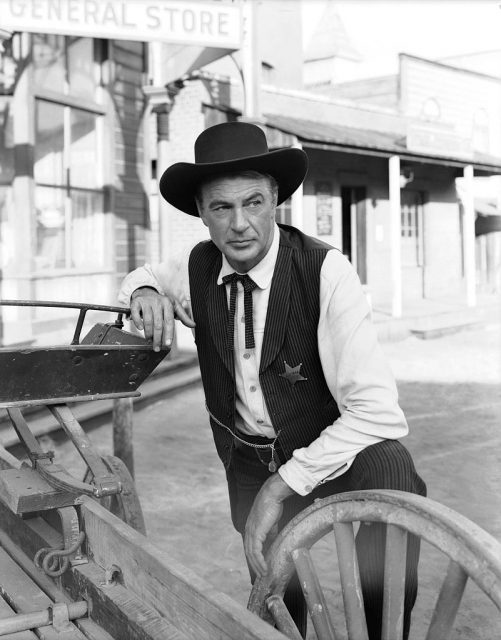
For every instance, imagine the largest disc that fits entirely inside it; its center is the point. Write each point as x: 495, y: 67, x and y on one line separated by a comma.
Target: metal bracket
x: 60, y: 617
x: 56, y: 561
x: 71, y: 534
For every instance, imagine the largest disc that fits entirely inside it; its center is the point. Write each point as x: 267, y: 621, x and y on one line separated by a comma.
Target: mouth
x: 241, y: 243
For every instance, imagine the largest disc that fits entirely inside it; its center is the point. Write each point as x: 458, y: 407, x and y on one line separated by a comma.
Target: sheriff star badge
x: 292, y: 374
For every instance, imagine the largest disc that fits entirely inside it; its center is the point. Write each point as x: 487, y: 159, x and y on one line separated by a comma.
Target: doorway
x: 354, y: 228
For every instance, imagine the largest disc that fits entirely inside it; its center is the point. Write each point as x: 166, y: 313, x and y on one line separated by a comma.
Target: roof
x: 330, y: 39
x: 369, y: 142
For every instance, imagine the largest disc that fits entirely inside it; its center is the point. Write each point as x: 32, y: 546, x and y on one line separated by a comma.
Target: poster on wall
x: 323, y: 192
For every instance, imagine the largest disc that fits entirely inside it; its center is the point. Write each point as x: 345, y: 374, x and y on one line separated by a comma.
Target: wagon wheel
x: 124, y: 505
x: 471, y: 552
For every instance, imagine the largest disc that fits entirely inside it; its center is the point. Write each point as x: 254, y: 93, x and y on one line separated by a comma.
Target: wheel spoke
x: 313, y: 594
x: 282, y: 617
x: 350, y: 581
x: 394, y: 583
x: 448, y: 601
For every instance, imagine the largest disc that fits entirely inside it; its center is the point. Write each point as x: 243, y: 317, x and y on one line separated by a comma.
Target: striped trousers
x: 385, y: 465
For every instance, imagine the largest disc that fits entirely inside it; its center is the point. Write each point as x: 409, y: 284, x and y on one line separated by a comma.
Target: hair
x: 272, y: 183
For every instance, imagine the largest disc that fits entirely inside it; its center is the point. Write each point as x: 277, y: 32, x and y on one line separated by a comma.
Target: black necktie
x: 248, y: 285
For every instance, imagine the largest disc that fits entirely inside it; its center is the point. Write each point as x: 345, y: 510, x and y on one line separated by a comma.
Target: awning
x: 181, y: 60
x: 488, y: 217
x: 325, y: 135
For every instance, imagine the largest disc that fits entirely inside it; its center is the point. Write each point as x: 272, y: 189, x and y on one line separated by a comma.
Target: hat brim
x: 179, y: 182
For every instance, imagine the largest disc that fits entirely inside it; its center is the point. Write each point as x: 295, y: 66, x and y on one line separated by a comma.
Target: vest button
x: 246, y: 356
x: 308, y: 488
x: 252, y: 388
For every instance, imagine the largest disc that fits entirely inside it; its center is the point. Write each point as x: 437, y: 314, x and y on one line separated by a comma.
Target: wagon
x: 75, y: 561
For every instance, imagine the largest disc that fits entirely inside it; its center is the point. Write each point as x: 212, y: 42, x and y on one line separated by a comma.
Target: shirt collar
x: 262, y: 273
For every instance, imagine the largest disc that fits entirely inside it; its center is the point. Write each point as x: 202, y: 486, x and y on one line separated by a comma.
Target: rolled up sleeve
x: 168, y: 278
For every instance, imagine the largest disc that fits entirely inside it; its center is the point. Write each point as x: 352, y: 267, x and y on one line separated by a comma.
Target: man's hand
x: 155, y: 314
x: 263, y: 516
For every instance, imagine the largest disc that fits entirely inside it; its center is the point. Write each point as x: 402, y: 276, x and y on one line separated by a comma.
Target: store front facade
x: 74, y: 145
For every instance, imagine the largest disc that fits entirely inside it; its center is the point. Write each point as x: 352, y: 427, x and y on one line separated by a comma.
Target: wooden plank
x: 117, y: 610
x: 155, y: 580
x: 7, y: 460
x: 313, y: 594
x: 394, y: 583
x: 88, y: 627
x: 25, y: 491
x: 448, y: 602
x: 5, y: 612
x: 350, y: 581
x: 193, y: 605
x: 25, y: 596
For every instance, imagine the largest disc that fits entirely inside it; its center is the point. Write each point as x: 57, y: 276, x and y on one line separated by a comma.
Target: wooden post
x: 251, y: 61
x: 297, y: 218
x: 395, y: 236
x: 122, y: 432
x: 469, y: 236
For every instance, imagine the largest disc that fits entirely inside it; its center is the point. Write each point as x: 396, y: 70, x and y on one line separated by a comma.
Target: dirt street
x: 449, y: 389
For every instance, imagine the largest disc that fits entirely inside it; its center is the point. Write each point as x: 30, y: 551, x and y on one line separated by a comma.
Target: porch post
x: 297, y: 201
x: 469, y: 236
x: 251, y: 61
x: 395, y: 236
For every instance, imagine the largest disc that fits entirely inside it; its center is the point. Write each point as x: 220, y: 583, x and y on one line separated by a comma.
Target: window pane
x: 81, y: 74
x: 49, y: 143
x: 83, y: 157
x: 50, y: 228
x: 88, y: 237
x: 48, y: 61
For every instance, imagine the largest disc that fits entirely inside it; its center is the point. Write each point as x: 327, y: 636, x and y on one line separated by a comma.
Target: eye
x: 254, y: 203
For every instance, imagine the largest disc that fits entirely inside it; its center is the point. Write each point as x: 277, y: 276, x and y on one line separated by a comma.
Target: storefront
x: 74, y: 149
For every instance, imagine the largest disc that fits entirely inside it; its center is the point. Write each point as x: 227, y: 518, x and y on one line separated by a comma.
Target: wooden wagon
x: 75, y: 563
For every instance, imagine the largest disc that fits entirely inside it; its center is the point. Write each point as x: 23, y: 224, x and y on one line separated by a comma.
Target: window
x: 69, y: 199
x: 412, y: 228
x: 66, y: 64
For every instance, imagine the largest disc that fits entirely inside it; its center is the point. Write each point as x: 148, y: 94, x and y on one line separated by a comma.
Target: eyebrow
x: 221, y: 202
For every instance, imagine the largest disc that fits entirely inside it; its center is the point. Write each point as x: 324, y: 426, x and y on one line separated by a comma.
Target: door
x: 412, y: 245
x: 354, y: 228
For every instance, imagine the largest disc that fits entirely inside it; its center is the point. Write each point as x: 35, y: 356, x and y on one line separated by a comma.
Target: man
x: 301, y: 401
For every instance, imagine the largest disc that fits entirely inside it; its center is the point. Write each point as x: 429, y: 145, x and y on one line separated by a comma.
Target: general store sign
x: 209, y: 23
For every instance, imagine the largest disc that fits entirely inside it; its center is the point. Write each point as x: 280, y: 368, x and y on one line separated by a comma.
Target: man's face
x: 240, y: 214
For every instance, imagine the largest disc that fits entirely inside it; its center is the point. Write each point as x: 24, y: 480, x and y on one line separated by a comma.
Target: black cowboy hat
x: 231, y: 147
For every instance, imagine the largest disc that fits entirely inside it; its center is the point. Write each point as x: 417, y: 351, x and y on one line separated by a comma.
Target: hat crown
x: 230, y: 141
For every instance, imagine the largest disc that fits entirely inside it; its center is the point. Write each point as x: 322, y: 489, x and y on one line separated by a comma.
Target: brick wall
x: 186, y: 123
x: 129, y: 201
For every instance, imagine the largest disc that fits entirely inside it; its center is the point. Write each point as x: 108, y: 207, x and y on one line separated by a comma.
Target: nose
x: 239, y: 220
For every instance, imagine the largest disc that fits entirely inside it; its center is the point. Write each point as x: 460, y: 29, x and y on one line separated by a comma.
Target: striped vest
x: 299, y: 411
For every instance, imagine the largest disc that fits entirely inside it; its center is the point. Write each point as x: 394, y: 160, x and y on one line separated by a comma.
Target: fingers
x: 155, y: 313
x: 136, y: 314
x: 253, y: 545
x: 263, y: 517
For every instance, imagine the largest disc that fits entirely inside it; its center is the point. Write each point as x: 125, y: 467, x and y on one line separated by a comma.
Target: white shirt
x: 354, y: 366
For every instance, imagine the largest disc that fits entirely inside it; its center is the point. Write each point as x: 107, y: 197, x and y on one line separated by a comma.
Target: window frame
x: 69, y: 102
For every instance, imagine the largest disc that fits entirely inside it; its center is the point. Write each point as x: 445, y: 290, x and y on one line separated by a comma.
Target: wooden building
x: 74, y: 152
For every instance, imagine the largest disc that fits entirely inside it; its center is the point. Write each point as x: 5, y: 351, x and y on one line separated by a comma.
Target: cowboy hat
x: 227, y: 148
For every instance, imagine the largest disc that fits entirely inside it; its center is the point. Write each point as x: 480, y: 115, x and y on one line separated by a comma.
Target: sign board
x: 325, y: 206
x: 209, y: 23
x: 438, y: 142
